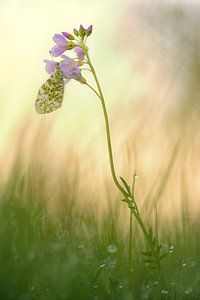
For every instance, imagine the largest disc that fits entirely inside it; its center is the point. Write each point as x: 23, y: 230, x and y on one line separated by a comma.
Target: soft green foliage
x: 75, y: 256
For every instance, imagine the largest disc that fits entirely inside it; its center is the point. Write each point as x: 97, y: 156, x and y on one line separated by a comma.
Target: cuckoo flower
x: 50, y: 97
x: 70, y: 69
x: 62, y: 44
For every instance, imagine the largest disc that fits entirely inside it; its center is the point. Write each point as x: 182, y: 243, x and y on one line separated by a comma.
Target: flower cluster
x: 65, y: 42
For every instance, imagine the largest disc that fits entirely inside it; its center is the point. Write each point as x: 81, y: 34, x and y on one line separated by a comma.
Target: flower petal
x: 66, y: 58
x: 79, y: 52
x: 50, y: 66
x: 59, y: 39
x: 71, y: 72
x: 57, y: 50
x: 65, y: 68
x: 77, y: 75
x: 68, y: 61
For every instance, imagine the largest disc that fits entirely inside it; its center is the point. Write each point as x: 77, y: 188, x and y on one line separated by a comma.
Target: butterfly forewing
x: 50, y: 94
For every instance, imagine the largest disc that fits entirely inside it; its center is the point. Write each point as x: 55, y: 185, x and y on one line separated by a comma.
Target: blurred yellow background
x: 26, y: 33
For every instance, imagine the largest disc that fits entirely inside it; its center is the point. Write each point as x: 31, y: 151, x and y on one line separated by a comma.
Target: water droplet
x: 102, y: 266
x: 156, y: 282
x: 188, y: 291
x: 81, y: 246
x: 120, y: 286
x: 95, y: 286
x: 183, y: 264
x: 164, y: 292
x: 112, y: 248
x: 171, y: 249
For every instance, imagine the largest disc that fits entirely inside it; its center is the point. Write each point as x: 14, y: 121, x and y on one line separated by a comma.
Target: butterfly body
x: 50, y: 94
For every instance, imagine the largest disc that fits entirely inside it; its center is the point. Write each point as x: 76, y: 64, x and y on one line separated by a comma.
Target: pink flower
x: 70, y: 69
x: 61, y: 45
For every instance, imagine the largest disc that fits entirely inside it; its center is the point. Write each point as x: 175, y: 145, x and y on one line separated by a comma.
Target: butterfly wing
x: 50, y: 94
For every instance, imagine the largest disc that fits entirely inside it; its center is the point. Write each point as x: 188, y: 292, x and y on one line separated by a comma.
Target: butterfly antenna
x: 51, y: 55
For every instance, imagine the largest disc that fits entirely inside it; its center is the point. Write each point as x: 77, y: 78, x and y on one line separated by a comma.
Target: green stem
x: 100, y: 95
x: 130, y: 244
x: 148, y: 240
x: 93, y: 90
x: 135, y: 213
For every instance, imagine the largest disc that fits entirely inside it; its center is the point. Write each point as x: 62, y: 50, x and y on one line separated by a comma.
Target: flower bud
x: 76, y: 32
x: 82, y: 31
x: 68, y: 35
x: 89, y: 30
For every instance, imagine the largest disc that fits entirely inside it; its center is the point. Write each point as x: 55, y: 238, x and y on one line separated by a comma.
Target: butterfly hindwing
x: 50, y: 94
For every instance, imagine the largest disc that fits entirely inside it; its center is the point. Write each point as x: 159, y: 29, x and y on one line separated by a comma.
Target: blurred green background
x: 147, y: 59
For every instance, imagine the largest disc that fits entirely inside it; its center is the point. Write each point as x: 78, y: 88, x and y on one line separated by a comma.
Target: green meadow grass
x: 73, y: 253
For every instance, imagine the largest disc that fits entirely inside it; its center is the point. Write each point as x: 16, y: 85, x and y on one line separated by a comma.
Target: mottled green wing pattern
x: 50, y: 95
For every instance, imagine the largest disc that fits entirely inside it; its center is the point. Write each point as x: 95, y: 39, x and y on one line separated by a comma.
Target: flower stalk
x: 50, y: 97
x: 154, y: 249
x: 109, y: 144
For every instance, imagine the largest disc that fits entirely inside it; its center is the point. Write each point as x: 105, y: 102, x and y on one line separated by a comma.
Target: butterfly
x: 50, y: 94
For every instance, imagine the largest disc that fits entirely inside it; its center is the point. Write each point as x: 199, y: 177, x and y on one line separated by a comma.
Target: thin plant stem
x: 106, y: 123
x: 156, y: 222
x: 134, y: 209
x: 130, y: 245
x: 93, y: 89
x: 131, y: 231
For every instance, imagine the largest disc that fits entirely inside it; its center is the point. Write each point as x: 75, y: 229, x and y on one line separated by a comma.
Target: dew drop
x: 120, y: 286
x: 147, y: 286
x: 112, y: 248
x: 102, y: 266
x: 164, y: 292
x: 188, y: 291
x: 184, y: 264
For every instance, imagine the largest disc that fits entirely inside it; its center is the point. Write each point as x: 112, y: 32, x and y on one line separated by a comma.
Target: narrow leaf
x: 126, y: 185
